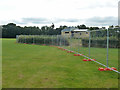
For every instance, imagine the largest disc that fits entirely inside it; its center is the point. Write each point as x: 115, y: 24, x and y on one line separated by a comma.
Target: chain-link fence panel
x: 113, y: 47
x: 98, y: 46
x: 84, y: 43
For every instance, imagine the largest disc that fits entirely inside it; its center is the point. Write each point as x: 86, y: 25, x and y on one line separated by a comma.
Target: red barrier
x: 107, y: 69
x: 113, y: 68
x: 89, y: 60
x: 93, y: 59
x: 77, y: 54
x: 101, y: 69
x: 85, y: 60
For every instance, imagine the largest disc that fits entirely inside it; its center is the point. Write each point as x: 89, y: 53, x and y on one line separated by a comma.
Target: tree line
x: 11, y: 30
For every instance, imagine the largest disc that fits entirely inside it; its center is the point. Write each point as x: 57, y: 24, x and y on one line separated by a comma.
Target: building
x: 75, y: 32
x: 0, y: 31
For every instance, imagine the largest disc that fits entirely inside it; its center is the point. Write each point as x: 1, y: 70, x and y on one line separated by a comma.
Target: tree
x: 111, y: 26
x: 52, y: 26
x: 93, y: 28
x: 10, y: 30
x: 11, y: 24
x: 82, y: 26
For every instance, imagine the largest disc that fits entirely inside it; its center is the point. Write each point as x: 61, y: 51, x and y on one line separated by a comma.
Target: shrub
x: 101, y: 43
x: 42, y: 39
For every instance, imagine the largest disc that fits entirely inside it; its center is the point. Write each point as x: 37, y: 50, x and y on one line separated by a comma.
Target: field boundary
x: 94, y: 61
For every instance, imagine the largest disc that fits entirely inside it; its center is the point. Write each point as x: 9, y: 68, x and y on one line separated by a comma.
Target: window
x: 66, y: 32
x: 72, y: 32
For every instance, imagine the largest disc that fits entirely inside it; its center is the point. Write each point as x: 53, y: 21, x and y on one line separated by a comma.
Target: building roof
x: 81, y: 30
x: 68, y: 29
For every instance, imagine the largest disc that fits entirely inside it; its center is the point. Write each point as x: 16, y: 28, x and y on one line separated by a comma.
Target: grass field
x: 100, y: 54
x: 34, y: 66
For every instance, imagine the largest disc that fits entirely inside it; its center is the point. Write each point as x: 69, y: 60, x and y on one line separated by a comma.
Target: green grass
x: 34, y: 66
x: 100, y: 54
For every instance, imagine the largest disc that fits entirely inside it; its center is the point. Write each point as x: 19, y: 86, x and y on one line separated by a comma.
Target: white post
x: 89, y: 42
x: 107, y: 45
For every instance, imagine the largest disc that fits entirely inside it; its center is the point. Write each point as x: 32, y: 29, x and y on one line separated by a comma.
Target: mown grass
x: 100, y: 54
x: 34, y: 66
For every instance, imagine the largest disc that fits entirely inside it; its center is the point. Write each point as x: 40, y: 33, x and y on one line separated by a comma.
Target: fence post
x: 107, y: 45
x: 64, y: 41
x: 78, y: 43
x: 44, y: 39
x: 25, y: 38
x: 57, y: 41
x: 20, y: 40
x: 52, y: 39
x: 33, y: 39
x: 16, y: 38
x: 60, y: 40
x: 89, y: 42
x: 70, y: 43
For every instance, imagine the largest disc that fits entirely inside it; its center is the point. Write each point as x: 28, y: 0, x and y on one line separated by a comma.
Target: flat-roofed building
x: 75, y: 32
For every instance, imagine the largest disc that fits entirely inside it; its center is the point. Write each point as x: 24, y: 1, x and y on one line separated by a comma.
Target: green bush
x: 99, y: 39
x: 101, y: 43
x: 42, y: 39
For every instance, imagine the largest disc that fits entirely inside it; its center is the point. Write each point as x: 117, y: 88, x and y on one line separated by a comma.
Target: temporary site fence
x: 101, y: 46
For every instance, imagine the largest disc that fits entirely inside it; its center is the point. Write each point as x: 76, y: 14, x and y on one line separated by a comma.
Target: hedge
x: 101, y: 43
x: 42, y: 39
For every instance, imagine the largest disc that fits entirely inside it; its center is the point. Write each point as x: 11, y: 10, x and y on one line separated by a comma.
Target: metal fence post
x: 78, y: 43
x: 89, y: 42
x: 20, y: 39
x: 33, y: 39
x: 16, y: 38
x: 25, y: 38
x: 107, y: 45
x: 57, y: 41
x: 64, y: 41
x: 44, y: 39
x: 70, y: 43
x: 60, y: 40
x: 52, y: 39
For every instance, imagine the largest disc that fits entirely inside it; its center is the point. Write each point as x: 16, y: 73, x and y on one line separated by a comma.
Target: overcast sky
x: 60, y: 12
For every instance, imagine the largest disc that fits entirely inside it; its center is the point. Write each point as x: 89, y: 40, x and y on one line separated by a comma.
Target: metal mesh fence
x: 100, y: 45
x: 113, y: 47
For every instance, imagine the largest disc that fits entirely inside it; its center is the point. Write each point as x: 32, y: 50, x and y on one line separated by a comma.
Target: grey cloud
x: 32, y: 20
x: 102, y: 21
x: 36, y: 20
x: 44, y: 20
x: 19, y: 22
x: 94, y: 21
x: 58, y: 20
x: 72, y: 20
